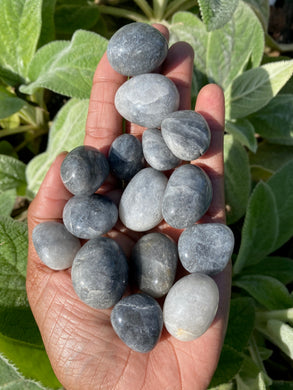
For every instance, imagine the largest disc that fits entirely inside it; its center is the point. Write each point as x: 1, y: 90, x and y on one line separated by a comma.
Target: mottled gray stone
x: 137, y: 48
x: 156, y: 152
x: 190, y: 306
x: 147, y: 99
x: 206, y: 248
x: 100, y: 273
x: 55, y: 246
x: 140, y: 206
x: 187, y: 134
x: 84, y: 170
x: 153, y: 264
x: 187, y: 197
x: 89, y: 216
x: 125, y: 156
x: 138, y: 321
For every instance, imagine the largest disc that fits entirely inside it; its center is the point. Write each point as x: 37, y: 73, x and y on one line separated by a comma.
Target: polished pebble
x: 137, y: 48
x: 206, y: 247
x: 89, y: 216
x: 140, y: 206
x: 156, y: 152
x: 153, y: 264
x: 100, y: 273
x: 84, y: 170
x: 55, y: 246
x: 147, y: 99
x: 138, y: 321
x: 190, y: 306
x: 187, y: 134
x: 187, y: 197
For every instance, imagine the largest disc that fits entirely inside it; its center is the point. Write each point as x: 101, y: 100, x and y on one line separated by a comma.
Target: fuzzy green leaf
x: 243, y: 131
x: 251, y: 377
x: 281, y: 335
x: 48, y: 28
x: 7, y: 199
x: 262, y: 10
x: 12, y: 173
x: 216, y: 13
x: 9, y: 103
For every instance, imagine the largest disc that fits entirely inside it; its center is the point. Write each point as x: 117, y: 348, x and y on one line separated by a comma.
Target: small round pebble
x: 190, y: 306
x: 206, y: 247
x: 138, y: 321
x: 55, y: 246
x: 100, y: 273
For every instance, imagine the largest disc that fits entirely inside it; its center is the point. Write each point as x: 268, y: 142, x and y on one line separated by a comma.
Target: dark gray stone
x: 147, y: 99
x: 187, y: 197
x: 138, y: 321
x: 89, y: 216
x: 206, y: 247
x: 153, y: 264
x: 137, y: 48
x: 100, y: 273
x: 55, y: 246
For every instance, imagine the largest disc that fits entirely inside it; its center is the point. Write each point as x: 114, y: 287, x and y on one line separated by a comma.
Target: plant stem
x: 175, y: 5
x: 159, y: 8
x: 255, y: 355
x: 285, y: 315
x: 146, y: 9
x: 122, y: 13
x: 16, y: 130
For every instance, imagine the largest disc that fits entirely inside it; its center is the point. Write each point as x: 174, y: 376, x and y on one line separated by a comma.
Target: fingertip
x: 163, y: 29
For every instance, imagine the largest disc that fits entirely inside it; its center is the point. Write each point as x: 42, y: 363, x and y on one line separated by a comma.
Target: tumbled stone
x: 153, y: 264
x: 137, y: 48
x: 187, y: 197
x: 206, y: 247
x: 89, y: 216
x: 84, y: 170
x: 125, y: 156
x: 156, y: 152
x: 140, y: 207
x: 138, y: 321
x: 147, y: 99
x: 187, y: 134
x: 55, y: 246
x: 190, y: 306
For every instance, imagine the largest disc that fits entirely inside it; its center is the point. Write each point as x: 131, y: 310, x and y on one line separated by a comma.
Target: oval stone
x: 137, y: 48
x: 140, y: 206
x: 147, y: 99
x: 190, y: 306
x: 89, y: 216
x: 100, y: 273
x: 187, y: 197
x: 187, y: 134
x: 206, y: 248
x: 138, y: 321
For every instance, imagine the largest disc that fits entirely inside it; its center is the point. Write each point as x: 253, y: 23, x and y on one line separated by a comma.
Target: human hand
x: 84, y: 351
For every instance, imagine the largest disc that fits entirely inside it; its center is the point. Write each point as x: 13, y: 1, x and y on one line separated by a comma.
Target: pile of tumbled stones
x: 100, y: 270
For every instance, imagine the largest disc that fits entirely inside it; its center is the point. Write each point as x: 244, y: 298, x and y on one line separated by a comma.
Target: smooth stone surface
x: 55, y: 246
x: 89, y: 216
x: 140, y: 206
x: 187, y: 197
x: 147, y: 99
x: 190, y: 306
x: 187, y: 134
x: 156, y: 151
x: 206, y: 248
x: 153, y: 264
x: 137, y: 48
x: 84, y: 170
x: 100, y: 273
x: 125, y: 156
x: 138, y: 321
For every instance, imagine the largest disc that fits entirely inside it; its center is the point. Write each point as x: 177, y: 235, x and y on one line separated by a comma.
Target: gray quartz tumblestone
x: 153, y: 264
x: 84, y: 170
x: 206, y: 247
x: 137, y: 48
x: 140, y: 206
x: 100, y: 273
x: 187, y: 134
x: 156, y: 152
x: 55, y: 246
x: 190, y: 306
x: 147, y: 99
x: 89, y: 216
x: 138, y: 321
x: 187, y: 197
x: 125, y: 156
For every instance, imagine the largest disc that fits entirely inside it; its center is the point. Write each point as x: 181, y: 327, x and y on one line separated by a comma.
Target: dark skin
x: 84, y: 351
